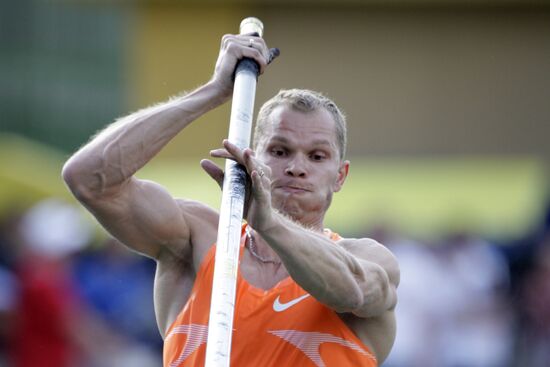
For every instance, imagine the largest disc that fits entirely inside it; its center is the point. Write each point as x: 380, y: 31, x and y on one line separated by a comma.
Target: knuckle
x: 231, y: 46
x: 228, y: 40
x: 235, y: 49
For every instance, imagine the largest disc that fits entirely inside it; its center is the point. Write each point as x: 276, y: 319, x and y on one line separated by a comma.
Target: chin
x: 285, y: 204
x: 295, y: 208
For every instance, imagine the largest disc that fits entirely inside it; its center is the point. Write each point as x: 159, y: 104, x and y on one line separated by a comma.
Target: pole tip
x: 252, y: 25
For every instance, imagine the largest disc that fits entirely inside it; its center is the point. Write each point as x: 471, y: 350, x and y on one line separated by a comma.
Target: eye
x: 318, y: 156
x: 278, y: 152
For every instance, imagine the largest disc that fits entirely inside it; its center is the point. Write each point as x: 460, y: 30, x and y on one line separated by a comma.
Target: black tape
x: 273, y: 54
x: 248, y: 64
x: 238, y: 180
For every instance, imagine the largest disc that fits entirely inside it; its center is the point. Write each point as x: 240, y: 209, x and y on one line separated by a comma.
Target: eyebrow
x: 283, y: 140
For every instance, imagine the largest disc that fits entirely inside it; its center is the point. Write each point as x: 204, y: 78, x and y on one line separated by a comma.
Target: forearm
x: 325, y: 270
x: 116, y: 153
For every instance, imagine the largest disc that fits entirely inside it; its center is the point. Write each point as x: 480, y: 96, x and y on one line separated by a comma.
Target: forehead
x: 304, y: 127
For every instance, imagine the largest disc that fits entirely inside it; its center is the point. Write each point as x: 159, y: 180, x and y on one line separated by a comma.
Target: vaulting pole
x: 220, y: 326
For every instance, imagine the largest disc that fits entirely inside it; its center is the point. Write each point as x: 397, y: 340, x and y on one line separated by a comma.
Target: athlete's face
x: 302, y: 151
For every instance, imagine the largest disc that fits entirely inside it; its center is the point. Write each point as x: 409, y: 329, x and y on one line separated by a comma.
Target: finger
x: 257, y: 55
x: 221, y: 153
x: 259, y: 192
x: 254, y: 164
x: 249, y: 152
x: 248, y: 46
x: 213, y: 171
x: 250, y: 161
x: 245, y: 41
x: 226, y: 38
x: 242, y: 38
x: 235, y: 151
x: 252, y: 40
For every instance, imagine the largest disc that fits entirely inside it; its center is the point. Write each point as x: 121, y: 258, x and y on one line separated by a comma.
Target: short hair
x: 303, y: 100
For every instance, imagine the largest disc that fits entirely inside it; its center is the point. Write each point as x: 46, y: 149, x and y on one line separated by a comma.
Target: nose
x: 296, y: 168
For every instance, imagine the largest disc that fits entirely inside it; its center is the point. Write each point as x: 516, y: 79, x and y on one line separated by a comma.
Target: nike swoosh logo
x: 280, y: 307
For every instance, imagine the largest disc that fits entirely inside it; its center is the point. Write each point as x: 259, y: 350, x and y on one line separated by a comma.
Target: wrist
x: 201, y: 100
x: 222, y: 91
x: 272, y: 225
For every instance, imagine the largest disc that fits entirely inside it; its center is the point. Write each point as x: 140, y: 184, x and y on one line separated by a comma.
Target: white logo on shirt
x: 310, y: 342
x: 280, y: 307
x: 307, y: 342
x: 196, y: 336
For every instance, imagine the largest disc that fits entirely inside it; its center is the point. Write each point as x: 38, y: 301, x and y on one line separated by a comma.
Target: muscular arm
x: 359, y: 276
x: 140, y: 213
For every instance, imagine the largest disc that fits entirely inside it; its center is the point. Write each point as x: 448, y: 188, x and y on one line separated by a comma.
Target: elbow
x: 376, y: 294
x: 76, y: 180
x: 68, y: 173
x: 350, y: 298
x: 356, y: 301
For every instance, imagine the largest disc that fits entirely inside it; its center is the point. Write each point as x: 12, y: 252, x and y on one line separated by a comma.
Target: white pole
x: 220, y: 325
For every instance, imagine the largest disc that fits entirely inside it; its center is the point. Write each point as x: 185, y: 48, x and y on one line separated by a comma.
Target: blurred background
x: 449, y: 129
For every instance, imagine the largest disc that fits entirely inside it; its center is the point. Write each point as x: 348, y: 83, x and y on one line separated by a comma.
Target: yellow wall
x: 173, y: 49
x: 422, y: 81
x: 455, y: 83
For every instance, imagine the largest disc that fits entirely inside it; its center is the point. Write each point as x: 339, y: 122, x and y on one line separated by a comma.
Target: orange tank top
x: 282, y: 326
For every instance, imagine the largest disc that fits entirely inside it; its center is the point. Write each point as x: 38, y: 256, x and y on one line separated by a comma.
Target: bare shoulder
x: 197, y: 211
x: 373, y: 251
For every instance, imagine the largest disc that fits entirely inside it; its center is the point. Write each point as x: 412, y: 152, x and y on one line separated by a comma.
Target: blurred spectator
x: 53, y: 326
x: 476, y: 324
x: 452, y: 310
x: 114, y: 281
x: 9, y: 284
x: 47, y: 307
x: 8, y: 238
x: 416, y: 312
x: 534, y: 310
x: 8, y: 296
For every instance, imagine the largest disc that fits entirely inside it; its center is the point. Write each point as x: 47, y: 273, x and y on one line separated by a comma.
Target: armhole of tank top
x: 211, y: 253
x: 332, y: 235
x: 206, y: 260
x: 357, y: 339
x: 200, y: 274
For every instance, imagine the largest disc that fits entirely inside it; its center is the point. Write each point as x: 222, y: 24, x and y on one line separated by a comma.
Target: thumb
x: 213, y: 171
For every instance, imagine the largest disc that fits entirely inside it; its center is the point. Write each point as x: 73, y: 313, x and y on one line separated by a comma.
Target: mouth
x: 293, y: 189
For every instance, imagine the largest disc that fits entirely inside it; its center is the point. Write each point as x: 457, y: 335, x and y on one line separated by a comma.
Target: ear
x: 342, y: 175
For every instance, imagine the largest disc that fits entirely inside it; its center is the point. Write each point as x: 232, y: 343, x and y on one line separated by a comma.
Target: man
x: 305, y: 296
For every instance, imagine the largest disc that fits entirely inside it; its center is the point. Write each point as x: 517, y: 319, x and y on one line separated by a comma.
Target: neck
x: 314, y: 224
x: 312, y: 218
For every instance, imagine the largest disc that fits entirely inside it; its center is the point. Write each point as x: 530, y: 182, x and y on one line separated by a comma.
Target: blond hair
x: 303, y: 100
